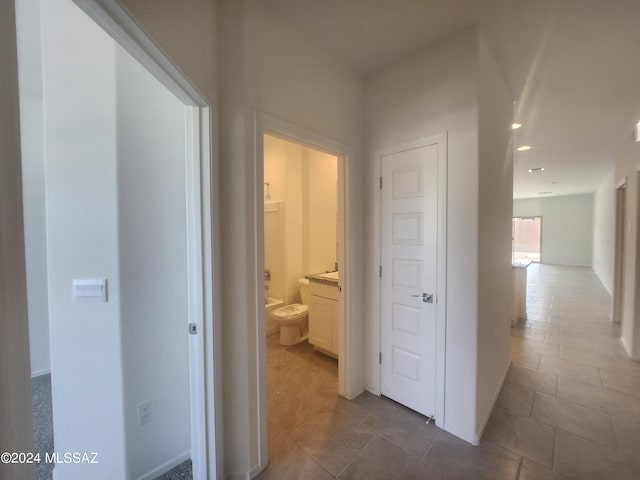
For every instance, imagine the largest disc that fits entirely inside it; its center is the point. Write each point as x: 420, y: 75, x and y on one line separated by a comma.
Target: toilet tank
x: 303, y: 283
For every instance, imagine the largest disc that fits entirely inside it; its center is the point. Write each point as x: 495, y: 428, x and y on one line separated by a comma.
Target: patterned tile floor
x: 569, y: 409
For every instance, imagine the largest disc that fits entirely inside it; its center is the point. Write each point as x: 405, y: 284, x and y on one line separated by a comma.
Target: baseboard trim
x: 165, y: 467
x: 38, y: 373
x: 239, y: 476
x: 466, y: 436
x: 487, y: 414
x: 256, y: 470
x: 626, y: 347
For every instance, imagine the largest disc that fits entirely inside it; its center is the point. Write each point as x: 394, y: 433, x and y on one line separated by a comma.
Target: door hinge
x: 380, y: 271
x: 380, y: 183
x: 193, y: 328
x: 380, y: 358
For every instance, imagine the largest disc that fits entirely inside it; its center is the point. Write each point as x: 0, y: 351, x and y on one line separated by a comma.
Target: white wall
x: 429, y: 94
x: 604, y: 223
x: 31, y: 131
x: 627, y: 168
x: 15, y: 384
x: 82, y: 239
x: 495, y: 275
x: 567, y: 227
x: 320, y: 212
x: 306, y: 181
x: 152, y: 228
x: 265, y: 65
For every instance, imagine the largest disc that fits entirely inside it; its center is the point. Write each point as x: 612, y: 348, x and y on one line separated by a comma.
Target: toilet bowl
x: 293, y: 319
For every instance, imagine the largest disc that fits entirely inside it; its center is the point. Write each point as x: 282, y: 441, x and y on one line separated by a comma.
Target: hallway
x: 569, y: 409
x: 571, y: 401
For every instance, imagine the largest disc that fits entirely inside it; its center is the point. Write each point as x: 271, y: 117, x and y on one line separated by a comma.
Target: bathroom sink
x: 330, y: 275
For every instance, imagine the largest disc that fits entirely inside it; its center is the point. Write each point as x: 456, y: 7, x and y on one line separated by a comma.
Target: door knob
x: 426, y: 297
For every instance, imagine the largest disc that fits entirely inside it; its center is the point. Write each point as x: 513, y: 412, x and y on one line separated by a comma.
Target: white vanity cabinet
x: 323, y: 317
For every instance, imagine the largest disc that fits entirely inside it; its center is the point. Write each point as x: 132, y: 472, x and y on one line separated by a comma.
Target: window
x: 526, y: 235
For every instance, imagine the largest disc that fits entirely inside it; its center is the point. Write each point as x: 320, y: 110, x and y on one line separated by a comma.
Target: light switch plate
x: 90, y: 289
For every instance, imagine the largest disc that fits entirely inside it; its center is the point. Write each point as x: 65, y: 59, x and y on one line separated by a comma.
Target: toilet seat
x: 289, y: 313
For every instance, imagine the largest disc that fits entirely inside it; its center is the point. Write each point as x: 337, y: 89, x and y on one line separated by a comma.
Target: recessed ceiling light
x: 516, y: 126
x: 524, y: 148
x: 537, y: 169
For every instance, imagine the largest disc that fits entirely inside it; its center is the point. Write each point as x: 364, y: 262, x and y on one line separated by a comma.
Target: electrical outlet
x: 145, y: 412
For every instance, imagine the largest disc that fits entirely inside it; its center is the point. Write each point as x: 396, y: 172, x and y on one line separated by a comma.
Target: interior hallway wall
x: 15, y: 379
x: 495, y: 276
x: 152, y: 242
x: 320, y: 211
x: 567, y: 227
x: 432, y: 93
x: 267, y: 66
x: 82, y: 239
x: 604, y: 222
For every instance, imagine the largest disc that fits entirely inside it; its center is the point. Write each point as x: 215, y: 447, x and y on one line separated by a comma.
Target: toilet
x: 293, y: 319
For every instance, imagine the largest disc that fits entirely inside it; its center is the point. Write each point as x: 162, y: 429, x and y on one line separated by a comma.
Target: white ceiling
x: 572, y: 65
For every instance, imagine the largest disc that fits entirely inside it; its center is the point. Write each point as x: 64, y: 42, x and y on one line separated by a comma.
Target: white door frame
x: 617, y: 303
x: 347, y: 386
x: 201, y: 230
x: 441, y: 308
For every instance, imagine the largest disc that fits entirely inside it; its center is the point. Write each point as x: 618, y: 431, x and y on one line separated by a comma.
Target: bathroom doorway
x: 302, y: 252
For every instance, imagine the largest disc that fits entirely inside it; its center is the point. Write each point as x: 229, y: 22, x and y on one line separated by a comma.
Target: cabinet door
x: 334, y: 327
x: 320, y: 324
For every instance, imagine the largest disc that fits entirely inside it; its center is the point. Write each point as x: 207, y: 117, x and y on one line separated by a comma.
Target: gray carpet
x: 179, y: 472
x: 42, y: 423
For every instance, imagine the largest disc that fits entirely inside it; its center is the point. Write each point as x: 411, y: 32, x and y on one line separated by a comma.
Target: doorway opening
x: 118, y: 243
x: 526, y: 233
x: 619, y: 255
x: 302, y: 254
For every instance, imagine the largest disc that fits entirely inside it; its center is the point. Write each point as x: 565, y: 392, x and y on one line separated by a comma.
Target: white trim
x: 625, y: 345
x: 39, y: 373
x: 349, y: 385
x: 126, y: 32
x: 441, y: 309
x: 487, y: 414
x: 204, y: 374
x: 621, y: 183
x: 165, y: 467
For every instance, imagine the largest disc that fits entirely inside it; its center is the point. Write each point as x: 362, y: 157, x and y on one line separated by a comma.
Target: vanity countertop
x: 328, y: 278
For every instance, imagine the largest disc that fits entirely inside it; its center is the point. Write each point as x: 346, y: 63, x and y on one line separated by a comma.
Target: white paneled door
x: 409, y: 209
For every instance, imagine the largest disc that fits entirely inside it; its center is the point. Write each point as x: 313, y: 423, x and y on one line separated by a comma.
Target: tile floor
x: 569, y: 409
